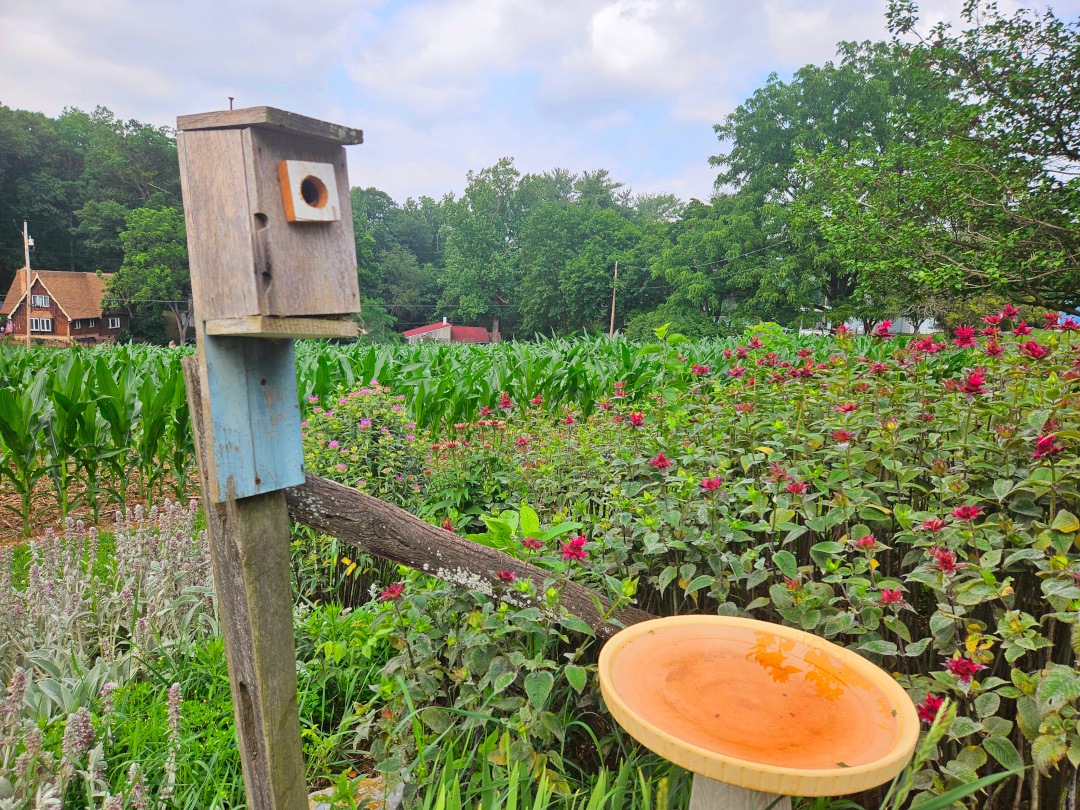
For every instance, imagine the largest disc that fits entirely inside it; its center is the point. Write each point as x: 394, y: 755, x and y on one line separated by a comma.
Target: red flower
x: 934, y: 525
x: 945, y: 561
x: 966, y: 512
x: 569, y: 420
x: 537, y: 400
x: 882, y: 330
x: 727, y: 353
x: 963, y: 668
x: 507, y: 576
x: 878, y: 368
x: 617, y: 419
x: 1034, y: 350
x: 604, y: 405
x: 637, y: 419
x: 843, y: 330
x: 504, y: 401
x: 866, y: 543
x: 575, y: 549
x: 929, y: 708
x: 393, y: 592
x: 993, y: 320
x: 1021, y: 329
x: 777, y: 472
x: 660, y: 462
x: 711, y: 484
x: 974, y: 382
x: 448, y: 524
x: 890, y: 596
x: 736, y: 371
x: 804, y: 352
x: 755, y: 343
x: 1009, y: 311
x: 797, y: 487
x: 522, y: 442
x: 965, y: 337
x: 792, y: 584
x: 841, y: 437
x: 993, y: 349
x: 1047, y: 446
x: 532, y: 543
x: 847, y: 407
x: 745, y: 407
x: 699, y: 370
x: 1051, y: 318
x: 485, y: 411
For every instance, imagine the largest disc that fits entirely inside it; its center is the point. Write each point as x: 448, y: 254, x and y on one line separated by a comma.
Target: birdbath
x: 757, y: 711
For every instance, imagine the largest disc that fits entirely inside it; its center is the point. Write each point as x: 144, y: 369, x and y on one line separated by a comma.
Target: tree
x: 984, y: 197
x: 155, y: 268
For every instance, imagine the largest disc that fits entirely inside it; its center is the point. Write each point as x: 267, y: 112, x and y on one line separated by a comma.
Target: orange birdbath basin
x: 758, y: 705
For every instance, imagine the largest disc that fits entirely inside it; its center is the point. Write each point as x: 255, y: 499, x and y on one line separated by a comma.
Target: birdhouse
x: 269, y: 221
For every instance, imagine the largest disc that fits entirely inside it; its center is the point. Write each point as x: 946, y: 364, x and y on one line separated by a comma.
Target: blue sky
x: 443, y: 86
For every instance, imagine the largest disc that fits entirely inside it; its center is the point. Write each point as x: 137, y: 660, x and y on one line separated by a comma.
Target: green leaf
x: 538, y: 687
x: 878, y: 647
x: 699, y: 583
x: 1065, y: 522
x: 572, y: 622
x: 949, y: 798
x: 1002, y: 487
x: 1047, y: 750
x: 787, y: 563
x: 1003, y: 752
x: 576, y: 676
x: 987, y: 704
x: 1058, y: 686
x: 530, y: 521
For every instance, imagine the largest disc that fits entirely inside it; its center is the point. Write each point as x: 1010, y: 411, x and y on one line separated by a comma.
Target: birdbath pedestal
x: 759, y: 712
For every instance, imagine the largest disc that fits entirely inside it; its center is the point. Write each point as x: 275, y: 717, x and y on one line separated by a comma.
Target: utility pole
x: 26, y: 258
x: 611, y: 331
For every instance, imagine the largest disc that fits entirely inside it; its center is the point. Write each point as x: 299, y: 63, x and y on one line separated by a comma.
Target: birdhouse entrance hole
x: 314, y: 192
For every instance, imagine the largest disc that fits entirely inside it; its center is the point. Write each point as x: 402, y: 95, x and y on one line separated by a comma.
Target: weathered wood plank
x: 271, y: 118
x: 282, y: 328
x: 250, y: 547
x: 708, y: 794
x: 393, y: 534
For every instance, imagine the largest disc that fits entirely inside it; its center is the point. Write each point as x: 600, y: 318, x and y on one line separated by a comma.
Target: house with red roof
x: 65, y: 308
x: 446, y: 332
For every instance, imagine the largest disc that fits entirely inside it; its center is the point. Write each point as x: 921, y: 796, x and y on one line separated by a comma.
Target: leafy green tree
x: 155, y: 269
x: 984, y: 197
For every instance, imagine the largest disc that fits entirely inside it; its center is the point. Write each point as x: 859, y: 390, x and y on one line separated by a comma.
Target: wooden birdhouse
x: 269, y: 220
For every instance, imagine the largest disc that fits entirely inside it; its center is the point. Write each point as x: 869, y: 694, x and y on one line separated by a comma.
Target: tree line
x: 912, y: 177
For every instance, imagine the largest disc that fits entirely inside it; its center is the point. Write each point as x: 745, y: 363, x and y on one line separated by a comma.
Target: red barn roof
x: 429, y: 328
x: 469, y: 334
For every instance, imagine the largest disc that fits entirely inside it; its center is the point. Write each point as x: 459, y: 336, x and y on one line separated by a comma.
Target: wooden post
x: 250, y: 546
x: 708, y: 794
x: 611, y: 331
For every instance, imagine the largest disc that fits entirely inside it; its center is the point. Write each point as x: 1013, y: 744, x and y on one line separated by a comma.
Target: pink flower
x: 1047, y: 446
x: 342, y: 468
x: 878, y: 368
x: 507, y: 576
x: 332, y: 444
x: 847, y: 407
x: 934, y: 525
x: 637, y: 419
x: 966, y: 512
x: 532, y: 543
x: 1035, y: 351
x: 1009, y: 311
x: 993, y: 349
x: 660, y: 462
x: 522, y: 442
x: 962, y: 668
x: 1022, y: 329
x: 866, y: 543
x: 797, y: 487
x: 890, y: 596
x: 485, y: 411
x: 393, y: 592
x: 843, y: 330
x: 745, y: 407
x: 945, y: 561
x: 929, y: 708
x: 711, y: 484
x: 1051, y: 319
x: 992, y: 320
x: 504, y: 401
x: 699, y: 370
x: 537, y: 400
x: 965, y: 337
x: 736, y: 371
x: 841, y: 437
x: 575, y: 549
x: 974, y: 382
x: 882, y: 330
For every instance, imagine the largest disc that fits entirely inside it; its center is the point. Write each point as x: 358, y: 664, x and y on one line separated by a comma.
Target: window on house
x: 91, y: 323
x: 114, y: 323
x: 41, y: 324
x: 39, y: 300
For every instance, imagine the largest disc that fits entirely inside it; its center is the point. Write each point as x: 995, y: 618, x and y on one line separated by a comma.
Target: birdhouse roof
x: 272, y: 118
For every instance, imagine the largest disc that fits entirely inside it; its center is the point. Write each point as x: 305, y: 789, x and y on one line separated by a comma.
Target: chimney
x: 444, y: 320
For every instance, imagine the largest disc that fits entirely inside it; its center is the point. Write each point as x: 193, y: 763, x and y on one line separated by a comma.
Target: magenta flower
x: 393, y: 592
x: 962, y: 668
x: 532, y: 543
x: 575, y: 549
x: 967, y: 512
x: 934, y: 525
x: 866, y: 543
x: 891, y: 596
x: 929, y: 708
x: 660, y: 462
x: 507, y: 576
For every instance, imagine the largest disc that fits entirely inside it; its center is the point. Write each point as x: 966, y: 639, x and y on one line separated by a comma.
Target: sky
x: 444, y: 86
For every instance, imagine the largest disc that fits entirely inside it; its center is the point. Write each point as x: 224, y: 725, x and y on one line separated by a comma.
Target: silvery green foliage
x: 81, y: 628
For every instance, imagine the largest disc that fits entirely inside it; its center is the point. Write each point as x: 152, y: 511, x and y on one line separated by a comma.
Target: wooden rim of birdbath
x: 758, y: 705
